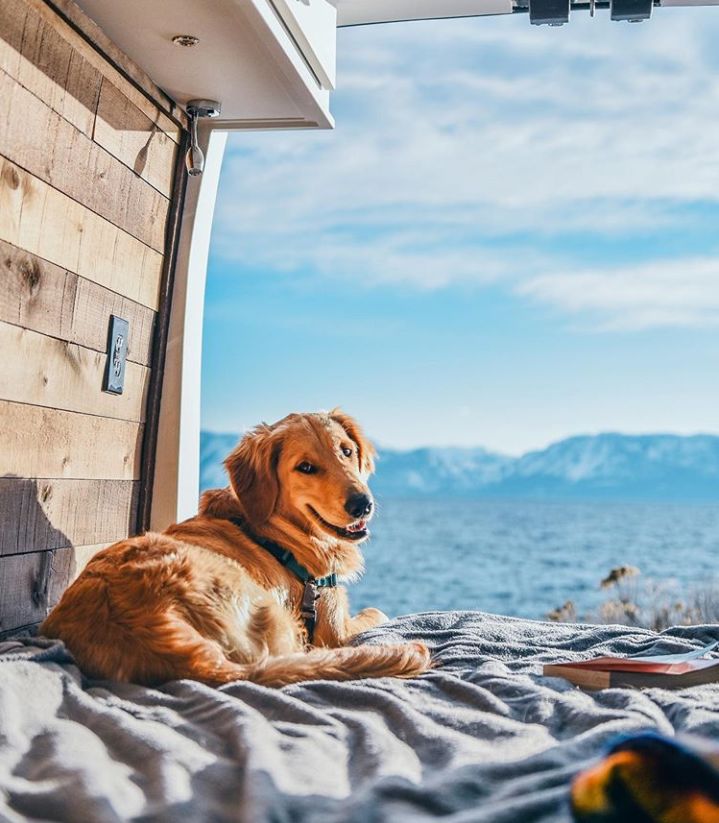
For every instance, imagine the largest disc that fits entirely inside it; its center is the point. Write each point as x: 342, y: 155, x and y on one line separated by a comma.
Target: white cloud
x: 667, y: 293
x: 461, y: 144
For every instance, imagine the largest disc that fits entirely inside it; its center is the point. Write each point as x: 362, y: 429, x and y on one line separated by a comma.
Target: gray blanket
x: 482, y: 738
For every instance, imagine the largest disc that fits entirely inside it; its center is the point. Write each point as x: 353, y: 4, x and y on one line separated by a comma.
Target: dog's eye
x: 346, y: 451
x: 306, y: 467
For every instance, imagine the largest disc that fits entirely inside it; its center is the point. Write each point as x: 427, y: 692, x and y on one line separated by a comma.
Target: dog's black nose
x: 358, y: 505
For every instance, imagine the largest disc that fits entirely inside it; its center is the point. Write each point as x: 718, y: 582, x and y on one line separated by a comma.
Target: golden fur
x: 203, y: 600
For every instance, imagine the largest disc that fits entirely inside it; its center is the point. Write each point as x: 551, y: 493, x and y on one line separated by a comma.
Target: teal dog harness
x: 311, y: 593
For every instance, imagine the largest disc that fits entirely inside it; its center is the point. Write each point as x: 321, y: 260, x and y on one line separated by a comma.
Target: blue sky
x: 510, y: 237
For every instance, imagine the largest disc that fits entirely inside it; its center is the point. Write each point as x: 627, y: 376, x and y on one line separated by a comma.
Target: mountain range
x: 603, y: 466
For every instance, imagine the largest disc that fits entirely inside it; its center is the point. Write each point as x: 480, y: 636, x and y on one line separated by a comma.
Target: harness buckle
x: 309, y: 598
x: 308, y: 609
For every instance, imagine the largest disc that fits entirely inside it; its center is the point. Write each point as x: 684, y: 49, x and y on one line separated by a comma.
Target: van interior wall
x: 87, y: 169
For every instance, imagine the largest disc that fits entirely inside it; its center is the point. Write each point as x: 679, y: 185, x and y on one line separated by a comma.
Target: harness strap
x: 310, y: 594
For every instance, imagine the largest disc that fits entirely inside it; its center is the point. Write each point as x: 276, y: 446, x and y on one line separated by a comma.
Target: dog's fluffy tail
x: 347, y: 663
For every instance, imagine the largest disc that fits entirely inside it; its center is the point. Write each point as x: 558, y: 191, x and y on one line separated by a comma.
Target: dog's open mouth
x: 354, y: 531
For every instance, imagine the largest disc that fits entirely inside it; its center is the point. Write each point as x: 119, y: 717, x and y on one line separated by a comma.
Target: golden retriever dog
x: 248, y: 589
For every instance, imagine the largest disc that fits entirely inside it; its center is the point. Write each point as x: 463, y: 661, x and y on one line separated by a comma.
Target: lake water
x: 525, y: 558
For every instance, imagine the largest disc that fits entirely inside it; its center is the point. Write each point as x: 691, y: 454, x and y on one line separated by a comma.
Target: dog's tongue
x: 359, y: 526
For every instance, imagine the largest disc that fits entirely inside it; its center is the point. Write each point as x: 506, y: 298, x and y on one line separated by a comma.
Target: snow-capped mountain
x: 605, y: 466
x: 438, y: 471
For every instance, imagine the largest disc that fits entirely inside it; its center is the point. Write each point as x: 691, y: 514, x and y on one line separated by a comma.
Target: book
x: 664, y: 671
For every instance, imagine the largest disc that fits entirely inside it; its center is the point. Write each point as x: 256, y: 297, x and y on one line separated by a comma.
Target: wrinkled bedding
x: 483, y: 737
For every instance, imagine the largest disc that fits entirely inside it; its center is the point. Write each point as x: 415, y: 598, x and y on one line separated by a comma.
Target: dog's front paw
x: 372, y: 617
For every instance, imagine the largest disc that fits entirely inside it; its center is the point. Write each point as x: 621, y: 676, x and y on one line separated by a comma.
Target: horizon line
x: 579, y: 435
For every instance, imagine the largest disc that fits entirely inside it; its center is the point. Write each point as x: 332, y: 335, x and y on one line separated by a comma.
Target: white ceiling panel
x: 245, y: 57
x: 360, y: 12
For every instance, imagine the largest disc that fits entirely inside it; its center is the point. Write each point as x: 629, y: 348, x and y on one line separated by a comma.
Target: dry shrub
x: 636, y: 601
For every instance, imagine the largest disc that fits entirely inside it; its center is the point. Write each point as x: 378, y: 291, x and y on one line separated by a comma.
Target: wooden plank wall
x: 87, y: 163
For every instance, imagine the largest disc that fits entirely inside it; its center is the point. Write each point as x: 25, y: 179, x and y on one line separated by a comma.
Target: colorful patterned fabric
x: 648, y: 778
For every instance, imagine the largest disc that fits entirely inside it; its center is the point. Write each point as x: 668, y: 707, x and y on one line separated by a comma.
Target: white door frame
x: 176, y: 479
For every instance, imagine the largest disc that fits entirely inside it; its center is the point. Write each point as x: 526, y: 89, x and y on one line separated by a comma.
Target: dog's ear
x: 252, y: 468
x: 365, y: 450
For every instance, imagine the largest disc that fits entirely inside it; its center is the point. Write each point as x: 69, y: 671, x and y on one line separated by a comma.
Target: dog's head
x: 310, y: 469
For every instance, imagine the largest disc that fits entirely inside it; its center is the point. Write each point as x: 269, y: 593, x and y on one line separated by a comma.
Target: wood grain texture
x: 42, y: 220
x: 124, y: 131
x: 40, y: 442
x: 46, y: 298
x: 79, y: 167
x: 45, y: 371
x: 88, y: 150
x: 31, y: 584
x: 23, y: 18
x: 142, y: 85
x: 38, y: 514
x: 34, y: 52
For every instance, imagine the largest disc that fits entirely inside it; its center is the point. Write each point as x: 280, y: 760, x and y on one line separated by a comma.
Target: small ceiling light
x: 185, y: 40
x: 195, y: 159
